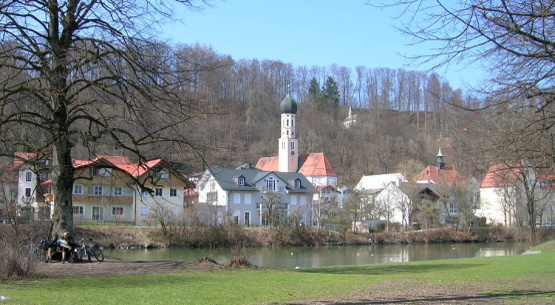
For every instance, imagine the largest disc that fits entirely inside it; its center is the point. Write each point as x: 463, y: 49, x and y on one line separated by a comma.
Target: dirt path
x: 115, y: 267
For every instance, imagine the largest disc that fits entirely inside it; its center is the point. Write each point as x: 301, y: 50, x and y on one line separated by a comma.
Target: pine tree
x: 330, y: 94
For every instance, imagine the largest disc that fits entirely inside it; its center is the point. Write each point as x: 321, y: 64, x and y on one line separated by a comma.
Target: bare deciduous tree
x: 85, y: 73
x: 515, y: 42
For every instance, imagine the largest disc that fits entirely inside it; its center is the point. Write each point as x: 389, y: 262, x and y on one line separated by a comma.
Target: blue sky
x: 306, y: 33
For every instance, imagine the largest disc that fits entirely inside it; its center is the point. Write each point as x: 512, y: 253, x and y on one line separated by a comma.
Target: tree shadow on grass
x: 390, y: 269
x: 493, y: 298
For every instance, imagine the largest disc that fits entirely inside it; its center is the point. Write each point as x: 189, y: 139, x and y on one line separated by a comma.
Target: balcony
x: 277, y: 206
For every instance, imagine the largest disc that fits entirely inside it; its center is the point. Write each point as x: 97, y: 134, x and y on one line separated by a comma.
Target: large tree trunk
x: 62, y: 187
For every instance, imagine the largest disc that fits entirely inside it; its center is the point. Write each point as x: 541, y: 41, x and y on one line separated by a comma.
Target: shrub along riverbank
x: 519, y: 279
x: 210, y: 237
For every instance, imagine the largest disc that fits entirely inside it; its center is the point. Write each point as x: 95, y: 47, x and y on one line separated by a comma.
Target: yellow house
x: 113, y: 189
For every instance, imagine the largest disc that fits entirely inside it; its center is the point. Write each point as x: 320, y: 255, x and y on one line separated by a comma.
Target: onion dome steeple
x: 288, y: 105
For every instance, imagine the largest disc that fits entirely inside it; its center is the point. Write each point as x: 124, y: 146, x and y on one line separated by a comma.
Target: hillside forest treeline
x: 404, y: 116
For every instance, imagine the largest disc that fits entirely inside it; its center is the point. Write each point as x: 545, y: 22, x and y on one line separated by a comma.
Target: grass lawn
x: 517, y: 279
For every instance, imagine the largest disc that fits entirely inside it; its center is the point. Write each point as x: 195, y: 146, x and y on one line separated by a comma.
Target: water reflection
x: 308, y: 257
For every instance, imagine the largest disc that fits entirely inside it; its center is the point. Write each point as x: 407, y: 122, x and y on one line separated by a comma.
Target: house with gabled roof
x: 457, y: 193
x: 439, y: 173
x: 241, y: 195
x: 382, y: 194
x: 114, y: 189
x: 501, y: 193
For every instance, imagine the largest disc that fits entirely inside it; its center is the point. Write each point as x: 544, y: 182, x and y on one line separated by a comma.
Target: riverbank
x: 124, y: 237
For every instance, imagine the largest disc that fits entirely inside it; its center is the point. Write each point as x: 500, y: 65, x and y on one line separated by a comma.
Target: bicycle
x: 90, y: 250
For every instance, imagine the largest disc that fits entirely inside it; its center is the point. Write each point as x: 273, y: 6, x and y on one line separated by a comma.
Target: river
x: 308, y: 257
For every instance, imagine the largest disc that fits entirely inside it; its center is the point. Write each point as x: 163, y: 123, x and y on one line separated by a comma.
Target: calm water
x: 306, y: 257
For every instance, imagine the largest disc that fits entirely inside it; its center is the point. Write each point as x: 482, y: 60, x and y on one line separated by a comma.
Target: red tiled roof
x: 138, y: 170
x: 500, y: 175
x: 121, y: 163
x: 446, y: 175
x: 22, y: 155
x: 268, y: 164
x: 313, y: 164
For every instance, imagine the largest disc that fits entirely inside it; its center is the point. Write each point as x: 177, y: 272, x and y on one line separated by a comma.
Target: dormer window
x: 241, y: 181
x: 297, y: 183
x: 161, y: 174
x: 271, y: 184
x: 101, y: 171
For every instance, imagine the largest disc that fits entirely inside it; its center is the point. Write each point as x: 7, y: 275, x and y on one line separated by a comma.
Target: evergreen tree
x: 330, y: 94
x: 314, y: 92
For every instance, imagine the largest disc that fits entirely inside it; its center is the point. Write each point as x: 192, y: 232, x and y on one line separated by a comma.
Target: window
x: 297, y: 184
x: 212, y: 197
x: 247, y: 219
x: 77, y: 189
x: 158, y: 192
x: 28, y: 176
x: 45, y: 176
x: 98, y: 213
x: 78, y: 210
x: 271, y: 184
x: 453, y: 209
x: 242, y: 181
x: 161, y: 174
x: 117, y: 211
x: 173, y: 192
x: 292, y: 145
x: 28, y: 192
x: 101, y: 171
x: 118, y: 191
x: 97, y: 190
x: 144, y: 211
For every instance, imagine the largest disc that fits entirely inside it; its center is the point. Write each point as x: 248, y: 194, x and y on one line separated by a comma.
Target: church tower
x: 439, y: 160
x: 288, y: 143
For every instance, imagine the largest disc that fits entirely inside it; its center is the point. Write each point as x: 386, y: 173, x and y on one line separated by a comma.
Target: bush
x: 20, y: 250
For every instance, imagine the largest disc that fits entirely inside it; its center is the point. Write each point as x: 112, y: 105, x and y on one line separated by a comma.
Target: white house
x: 246, y: 194
x: 392, y: 204
x: 384, y: 195
x: 502, y: 193
x: 371, y: 182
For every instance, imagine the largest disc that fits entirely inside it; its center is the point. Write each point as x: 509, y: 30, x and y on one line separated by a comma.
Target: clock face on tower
x: 292, y: 152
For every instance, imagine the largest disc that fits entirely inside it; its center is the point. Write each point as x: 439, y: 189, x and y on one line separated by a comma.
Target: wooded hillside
x: 404, y: 116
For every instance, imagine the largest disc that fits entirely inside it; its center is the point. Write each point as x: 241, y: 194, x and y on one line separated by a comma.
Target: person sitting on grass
x: 64, y: 243
x: 52, y: 244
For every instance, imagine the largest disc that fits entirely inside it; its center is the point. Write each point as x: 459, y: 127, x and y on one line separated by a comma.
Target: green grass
x: 518, y: 279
